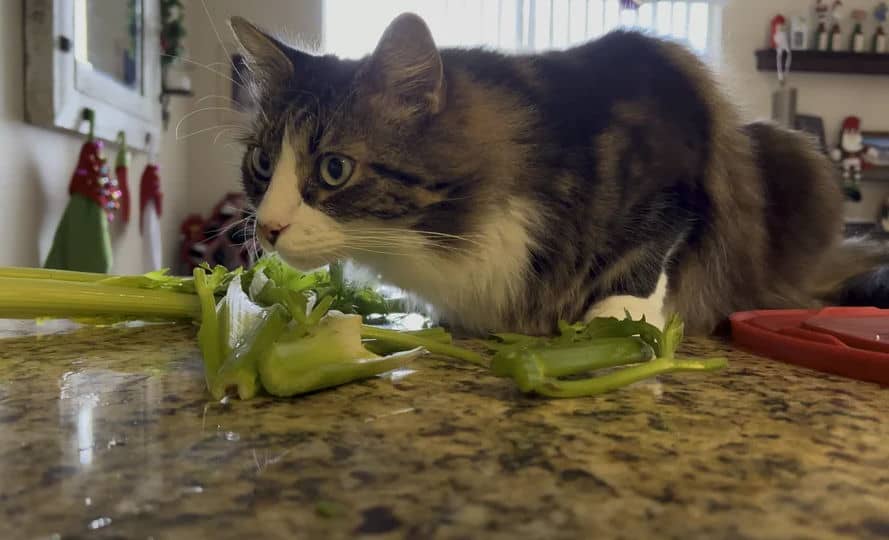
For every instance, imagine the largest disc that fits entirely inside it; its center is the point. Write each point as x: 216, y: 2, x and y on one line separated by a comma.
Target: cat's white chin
x: 306, y: 262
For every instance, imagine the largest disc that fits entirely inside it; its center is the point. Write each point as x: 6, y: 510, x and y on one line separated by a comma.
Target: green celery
x: 30, y: 298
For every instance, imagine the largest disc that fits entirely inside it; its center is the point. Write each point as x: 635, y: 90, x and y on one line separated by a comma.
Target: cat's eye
x: 261, y: 164
x: 336, y: 169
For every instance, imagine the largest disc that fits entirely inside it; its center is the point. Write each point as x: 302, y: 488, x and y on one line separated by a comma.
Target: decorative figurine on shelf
x: 881, y: 42
x: 822, y: 36
x: 856, y: 43
x: 781, y: 43
x: 778, y: 35
x: 850, y: 155
x: 784, y: 98
x: 799, y: 33
x: 836, y: 33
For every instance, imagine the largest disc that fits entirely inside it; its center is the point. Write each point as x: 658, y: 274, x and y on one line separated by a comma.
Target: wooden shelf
x: 827, y: 62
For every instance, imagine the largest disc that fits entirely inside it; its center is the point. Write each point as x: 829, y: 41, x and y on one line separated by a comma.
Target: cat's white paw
x: 652, y: 307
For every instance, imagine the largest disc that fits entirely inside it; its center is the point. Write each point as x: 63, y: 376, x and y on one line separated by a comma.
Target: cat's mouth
x: 304, y: 258
x: 306, y: 262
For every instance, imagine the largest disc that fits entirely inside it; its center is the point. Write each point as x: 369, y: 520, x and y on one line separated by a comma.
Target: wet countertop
x: 108, y: 433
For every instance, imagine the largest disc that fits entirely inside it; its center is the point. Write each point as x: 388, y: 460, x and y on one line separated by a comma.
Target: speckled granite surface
x: 109, y: 434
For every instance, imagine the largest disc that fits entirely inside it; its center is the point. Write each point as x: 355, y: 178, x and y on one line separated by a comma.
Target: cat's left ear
x: 406, y: 68
x: 269, y: 59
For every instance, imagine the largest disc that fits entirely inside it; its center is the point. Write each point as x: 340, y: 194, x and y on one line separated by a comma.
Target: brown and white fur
x: 514, y: 191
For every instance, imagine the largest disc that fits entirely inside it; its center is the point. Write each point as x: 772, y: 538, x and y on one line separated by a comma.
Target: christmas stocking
x: 150, y: 199
x: 82, y: 241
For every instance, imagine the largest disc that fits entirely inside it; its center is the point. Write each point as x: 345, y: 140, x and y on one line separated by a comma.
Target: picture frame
x: 61, y: 80
x: 814, y: 126
x: 878, y: 140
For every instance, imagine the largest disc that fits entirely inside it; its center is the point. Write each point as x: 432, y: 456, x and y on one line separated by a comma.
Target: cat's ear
x: 266, y: 55
x: 406, y: 67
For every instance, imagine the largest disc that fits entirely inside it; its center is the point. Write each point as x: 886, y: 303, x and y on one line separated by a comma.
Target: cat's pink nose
x: 272, y: 231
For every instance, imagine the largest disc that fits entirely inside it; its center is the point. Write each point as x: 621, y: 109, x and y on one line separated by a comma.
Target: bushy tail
x: 855, y: 273
x: 808, y: 263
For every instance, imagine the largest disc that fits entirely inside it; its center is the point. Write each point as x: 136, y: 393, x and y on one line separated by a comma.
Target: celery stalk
x: 396, y: 338
x: 32, y: 298
x: 47, y: 273
x: 240, y: 368
x: 624, y: 377
x: 331, y: 354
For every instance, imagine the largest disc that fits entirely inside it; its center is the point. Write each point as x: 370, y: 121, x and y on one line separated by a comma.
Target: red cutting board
x: 852, y: 342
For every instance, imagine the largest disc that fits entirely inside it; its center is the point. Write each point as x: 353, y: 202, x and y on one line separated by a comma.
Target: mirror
x: 102, y: 55
x: 108, y: 36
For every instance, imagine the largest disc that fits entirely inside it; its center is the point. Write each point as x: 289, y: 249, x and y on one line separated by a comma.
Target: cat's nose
x: 272, y: 231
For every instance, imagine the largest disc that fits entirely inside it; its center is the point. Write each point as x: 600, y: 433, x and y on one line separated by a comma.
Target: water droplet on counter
x: 232, y: 436
x: 99, y: 523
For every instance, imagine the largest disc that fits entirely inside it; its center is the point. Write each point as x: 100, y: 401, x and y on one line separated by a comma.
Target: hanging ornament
x: 822, y: 36
x: 150, y: 209
x: 836, y: 33
x: 82, y: 241
x: 121, y: 170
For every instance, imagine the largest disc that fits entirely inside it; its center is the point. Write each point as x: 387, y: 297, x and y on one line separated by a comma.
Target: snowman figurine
x: 850, y: 155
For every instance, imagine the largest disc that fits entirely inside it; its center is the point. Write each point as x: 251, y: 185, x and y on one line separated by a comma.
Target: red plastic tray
x: 852, y: 342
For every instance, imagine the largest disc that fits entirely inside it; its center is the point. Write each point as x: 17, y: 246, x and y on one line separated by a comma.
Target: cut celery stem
x: 408, y: 341
x: 624, y: 377
x: 30, y: 298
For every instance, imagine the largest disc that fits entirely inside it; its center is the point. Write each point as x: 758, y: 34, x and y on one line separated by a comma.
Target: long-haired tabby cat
x: 512, y: 191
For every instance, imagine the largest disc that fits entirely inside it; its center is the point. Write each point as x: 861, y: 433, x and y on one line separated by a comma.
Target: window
x: 351, y: 29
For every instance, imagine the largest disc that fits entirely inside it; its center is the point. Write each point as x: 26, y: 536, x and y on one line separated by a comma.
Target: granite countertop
x: 109, y: 433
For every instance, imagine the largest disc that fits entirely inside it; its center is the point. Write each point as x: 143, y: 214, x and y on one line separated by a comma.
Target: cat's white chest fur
x: 476, y: 286
x: 652, y: 308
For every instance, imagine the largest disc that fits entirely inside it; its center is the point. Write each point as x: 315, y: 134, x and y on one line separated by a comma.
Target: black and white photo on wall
x: 814, y: 126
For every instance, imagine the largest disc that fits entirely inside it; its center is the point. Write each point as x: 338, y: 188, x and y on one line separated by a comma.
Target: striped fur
x: 512, y: 191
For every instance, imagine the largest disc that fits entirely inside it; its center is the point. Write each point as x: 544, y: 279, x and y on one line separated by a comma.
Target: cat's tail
x: 804, y: 217
x: 855, y: 273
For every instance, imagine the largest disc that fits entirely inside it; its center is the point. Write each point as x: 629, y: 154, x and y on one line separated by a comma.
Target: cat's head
x: 346, y: 158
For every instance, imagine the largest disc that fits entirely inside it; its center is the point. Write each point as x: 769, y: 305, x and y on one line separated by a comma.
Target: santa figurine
x: 851, y: 154
x: 780, y: 41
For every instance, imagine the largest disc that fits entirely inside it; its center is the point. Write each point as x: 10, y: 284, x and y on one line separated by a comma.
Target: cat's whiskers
x: 216, y: 31
x: 215, y: 96
x: 203, y: 109
x: 216, y: 233
x: 220, y: 134
x: 470, y: 239
x: 205, y: 66
x: 415, y: 244
x: 411, y: 253
x: 205, y: 130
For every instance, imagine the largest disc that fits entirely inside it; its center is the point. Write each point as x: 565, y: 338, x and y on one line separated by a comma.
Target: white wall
x: 214, y: 155
x: 833, y: 97
x: 37, y: 164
